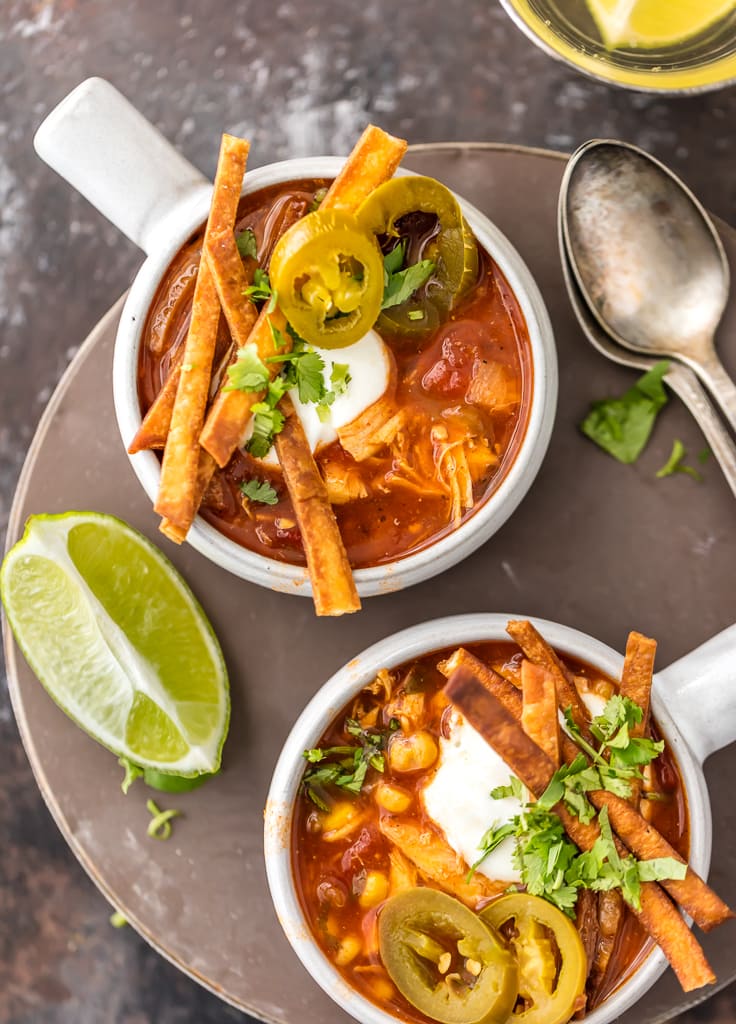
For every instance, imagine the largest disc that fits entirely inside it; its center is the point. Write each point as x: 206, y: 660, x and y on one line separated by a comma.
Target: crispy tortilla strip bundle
x: 373, y: 160
x: 695, y: 896
x: 538, y: 651
x: 231, y: 410
x: 333, y: 587
x: 658, y: 915
x: 539, y: 709
x: 706, y: 908
x: 181, y: 455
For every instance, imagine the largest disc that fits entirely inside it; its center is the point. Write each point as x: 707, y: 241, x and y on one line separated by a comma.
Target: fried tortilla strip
x: 181, y: 456
x: 154, y: 429
x: 646, y: 843
x: 537, y: 650
x: 230, y: 412
x: 658, y: 915
x: 636, y: 684
x: 539, y: 711
x: 438, y: 862
x: 205, y: 471
x: 373, y: 160
x: 232, y: 275
x: 333, y: 586
x: 501, y: 688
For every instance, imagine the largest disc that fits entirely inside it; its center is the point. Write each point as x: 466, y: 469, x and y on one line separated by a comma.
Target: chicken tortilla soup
x: 460, y: 857
x: 372, y: 368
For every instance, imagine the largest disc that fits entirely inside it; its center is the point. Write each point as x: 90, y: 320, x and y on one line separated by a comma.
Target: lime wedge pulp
x: 119, y: 641
x: 655, y: 23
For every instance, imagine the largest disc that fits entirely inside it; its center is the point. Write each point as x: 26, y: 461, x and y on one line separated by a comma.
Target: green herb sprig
x: 346, y: 766
x: 621, y: 426
x: 674, y: 464
x: 400, y: 284
x: 259, y: 490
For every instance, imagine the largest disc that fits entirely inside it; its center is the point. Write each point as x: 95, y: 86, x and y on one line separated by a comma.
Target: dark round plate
x: 595, y: 544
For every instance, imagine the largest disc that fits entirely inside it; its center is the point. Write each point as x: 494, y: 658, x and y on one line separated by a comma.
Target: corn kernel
x: 375, y: 890
x: 382, y: 989
x: 412, y: 753
x: 341, y: 821
x: 348, y: 949
x: 392, y: 798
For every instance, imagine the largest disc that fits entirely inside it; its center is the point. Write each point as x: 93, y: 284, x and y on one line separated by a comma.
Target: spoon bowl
x: 646, y: 258
x: 680, y: 378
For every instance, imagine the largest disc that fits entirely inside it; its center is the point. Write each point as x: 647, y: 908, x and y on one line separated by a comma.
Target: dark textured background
x: 297, y: 78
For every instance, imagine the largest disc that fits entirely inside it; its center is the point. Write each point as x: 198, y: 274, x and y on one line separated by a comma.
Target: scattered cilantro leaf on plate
x: 674, y: 464
x: 622, y: 426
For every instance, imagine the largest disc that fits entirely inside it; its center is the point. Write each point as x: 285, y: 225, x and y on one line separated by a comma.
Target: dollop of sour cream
x: 458, y: 796
x: 369, y: 365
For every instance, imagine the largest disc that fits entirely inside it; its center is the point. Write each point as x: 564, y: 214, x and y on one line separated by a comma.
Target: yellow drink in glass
x: 657, y: 45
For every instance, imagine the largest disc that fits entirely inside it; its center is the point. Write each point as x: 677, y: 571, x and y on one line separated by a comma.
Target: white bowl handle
x: 699, y: 691
x: 109, y: 152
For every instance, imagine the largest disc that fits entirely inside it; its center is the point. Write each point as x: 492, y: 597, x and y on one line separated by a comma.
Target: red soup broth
x: 329, y: 875
x: 401, y: 514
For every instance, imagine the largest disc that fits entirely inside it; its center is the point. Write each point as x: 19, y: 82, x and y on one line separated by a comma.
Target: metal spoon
x: 647, y: 259
x: 680, y: 378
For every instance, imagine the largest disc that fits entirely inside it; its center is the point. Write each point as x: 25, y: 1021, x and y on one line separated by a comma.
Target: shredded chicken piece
x: 494, y: 387
x: 403, y: 874
x: 343, y: 482
x: 409, y: 709
x: 374, y: 429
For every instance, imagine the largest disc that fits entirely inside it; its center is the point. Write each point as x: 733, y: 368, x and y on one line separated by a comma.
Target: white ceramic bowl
x: 108, y: 151
x: 695, y: 712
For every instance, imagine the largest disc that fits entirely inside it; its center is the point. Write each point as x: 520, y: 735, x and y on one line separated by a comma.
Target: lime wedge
x: 655, y: 23
x: 119, y: 641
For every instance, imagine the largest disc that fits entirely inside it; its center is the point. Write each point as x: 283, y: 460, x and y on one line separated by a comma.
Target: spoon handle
x: 713, y: 374
x: 687, y: 386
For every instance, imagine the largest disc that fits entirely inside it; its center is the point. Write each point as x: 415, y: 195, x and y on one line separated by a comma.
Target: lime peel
x: 65, y: 613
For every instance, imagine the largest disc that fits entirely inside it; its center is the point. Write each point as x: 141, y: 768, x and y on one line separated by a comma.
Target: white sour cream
x: 369, y: 366
x: 458, y: 797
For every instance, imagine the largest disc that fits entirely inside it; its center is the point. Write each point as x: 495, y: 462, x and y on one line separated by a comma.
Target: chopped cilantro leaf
x: 246, y: 243
x: 310, y: 381
x: 247, y: 373
x: 393, y: 261
x: 259, y: 490
x: 340, y: 378
x: 267, y: 422
x: 401, y: 285
x: 674, y: 464
x: 621, y: 426
x: 344, y: 766
x: 260, y: 290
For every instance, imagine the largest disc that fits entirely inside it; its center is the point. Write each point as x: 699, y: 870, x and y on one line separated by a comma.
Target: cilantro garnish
x: 317, y: 200
x: 267, y: 422
x: 548, y: 862
x: 247, y: 373
x: 259, y: 490
x: 246, y: 243
x: 160, y: 825
x: 345, y: 766
x: 132, y: 772
x: 399, y: 285
x: 674, y: 464
x: 621, y: 426
x: 261, y: 290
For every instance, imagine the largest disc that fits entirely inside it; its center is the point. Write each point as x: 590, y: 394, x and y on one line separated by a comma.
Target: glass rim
x: 640, y: 81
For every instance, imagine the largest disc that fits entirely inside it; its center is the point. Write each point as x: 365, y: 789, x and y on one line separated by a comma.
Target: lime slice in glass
x: 119, y: 641
x: 655, y: 23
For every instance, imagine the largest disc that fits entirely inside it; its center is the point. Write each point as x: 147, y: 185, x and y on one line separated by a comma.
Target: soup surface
x: 358, y: 849
x: 462, y: 391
